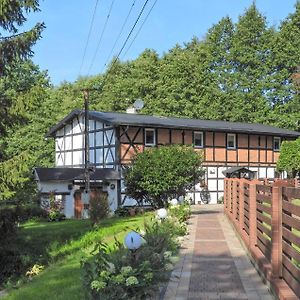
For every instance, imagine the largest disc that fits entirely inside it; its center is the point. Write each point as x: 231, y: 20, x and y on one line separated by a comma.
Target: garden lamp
x: 174, y: 202
x: 133, y: 240
x: 162, y: 213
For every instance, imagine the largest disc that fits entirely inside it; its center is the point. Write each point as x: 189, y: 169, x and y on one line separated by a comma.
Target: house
x: 115, y: 137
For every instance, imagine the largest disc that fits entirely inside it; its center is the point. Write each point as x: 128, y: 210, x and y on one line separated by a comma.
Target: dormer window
x: 150, y: 137
x: 276, y: 143
x: 231, y: 141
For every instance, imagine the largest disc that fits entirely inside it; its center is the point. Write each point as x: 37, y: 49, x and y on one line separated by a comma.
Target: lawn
x: 64, y: 244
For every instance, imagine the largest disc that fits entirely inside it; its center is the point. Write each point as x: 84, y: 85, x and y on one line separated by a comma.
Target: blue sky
x: 60, y: 51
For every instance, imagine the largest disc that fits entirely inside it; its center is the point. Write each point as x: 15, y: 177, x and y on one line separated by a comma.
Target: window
x: 231, y: 144
x: 276, y: 143
x: 150, y: 137
x: 198, y: 139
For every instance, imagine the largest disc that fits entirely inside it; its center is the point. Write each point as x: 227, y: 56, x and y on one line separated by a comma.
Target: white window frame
x: 234, y: 139
x: 202, y: 139
x: 154, y: 137
x: 279, y: 140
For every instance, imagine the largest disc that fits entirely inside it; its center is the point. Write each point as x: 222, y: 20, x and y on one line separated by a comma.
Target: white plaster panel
x: 99, y: 156
x: 68, y: 143
x: 109, y: 136
x: 213, y: 198
x: 212, y: 184
x: 60, y: 132
x: 92, y: 156
x: 77, y: 127
x: 68, y: 159
x: 220, y: 185
x: 91, y: 140
x: 220, y: 170
x: 78, y: 157
x: 113, y: 153
x: 262, y: 173
x: 59, y: 144
x: 91, y: 125
x: 99, y: 125
x: 68, y: 129
x: 271, y: 172
x: 78, y: 141
x: 59, y: 161
x: 99, y: 138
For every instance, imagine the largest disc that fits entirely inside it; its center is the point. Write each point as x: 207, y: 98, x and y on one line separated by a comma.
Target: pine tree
x: 16, y: 45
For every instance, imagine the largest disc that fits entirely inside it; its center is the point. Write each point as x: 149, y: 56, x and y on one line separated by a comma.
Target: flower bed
x: 120, y: 273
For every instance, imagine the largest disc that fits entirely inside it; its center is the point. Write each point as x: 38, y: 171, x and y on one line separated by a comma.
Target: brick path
x: 213, y: 264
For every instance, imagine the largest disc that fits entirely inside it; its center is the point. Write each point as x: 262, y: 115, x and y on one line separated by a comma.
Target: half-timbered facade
x: 115, y: 137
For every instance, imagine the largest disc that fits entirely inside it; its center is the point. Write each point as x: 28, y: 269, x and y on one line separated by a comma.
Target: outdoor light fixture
x: 174, y: 202
x: 162, y: 213
x: 133, y: 240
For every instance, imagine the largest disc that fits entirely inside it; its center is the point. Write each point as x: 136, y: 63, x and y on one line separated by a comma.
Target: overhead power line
x: 124, y: 44
x: 139, y: 30
x: 101, y: 36
x: 89, y: 35
x: 119, y: 35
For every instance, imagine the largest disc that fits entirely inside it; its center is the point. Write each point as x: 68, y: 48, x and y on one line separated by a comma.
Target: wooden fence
x: 266, y: 214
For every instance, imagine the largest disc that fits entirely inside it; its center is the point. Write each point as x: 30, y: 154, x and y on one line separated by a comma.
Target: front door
x: 78, y: 205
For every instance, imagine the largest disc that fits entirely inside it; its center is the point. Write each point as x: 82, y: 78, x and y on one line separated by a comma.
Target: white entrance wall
x: 58, y: 187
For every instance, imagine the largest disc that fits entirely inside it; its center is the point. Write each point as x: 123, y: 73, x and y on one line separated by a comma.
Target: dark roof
x: 180, y: 123
x: 69, y: 174
x: 236, y: 169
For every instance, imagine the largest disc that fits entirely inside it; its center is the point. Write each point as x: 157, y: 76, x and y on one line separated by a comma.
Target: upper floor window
x: 150, y: 137
x: 198, y: 139
x: 276, y: 143
x: 231, y: 141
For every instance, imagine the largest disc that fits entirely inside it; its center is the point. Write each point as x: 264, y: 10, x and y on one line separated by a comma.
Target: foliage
x: 55, y: 209
x: 35, y: 270
x: 161, y: 173
x: 182, y: 212
x: 289, y: 158
x: 122, y: 274
x: 17, y: 45
x: 99, y: 207
x: 62, y: 245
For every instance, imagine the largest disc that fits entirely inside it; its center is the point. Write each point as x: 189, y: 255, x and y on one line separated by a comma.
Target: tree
x: 161, y: 173
x: 17, y: 45
x: 289, y: 158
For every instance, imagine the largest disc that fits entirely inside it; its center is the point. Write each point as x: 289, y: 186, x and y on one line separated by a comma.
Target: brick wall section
x: 272, y: 242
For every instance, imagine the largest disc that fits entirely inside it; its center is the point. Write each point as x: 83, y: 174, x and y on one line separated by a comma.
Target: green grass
x: 73, y: 240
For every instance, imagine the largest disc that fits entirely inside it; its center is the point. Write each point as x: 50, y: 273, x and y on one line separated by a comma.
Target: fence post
x: 234, y: 193
x: 276, y: 227
x: 252, y: 215
x: 241, y: 206
x: 225, y: 195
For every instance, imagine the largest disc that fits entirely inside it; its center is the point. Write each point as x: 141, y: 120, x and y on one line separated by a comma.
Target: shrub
x: 161, y: 173
x: 122, y: 211
x: 99, y: 207
x: 182, y: 212
x: 122, y: 274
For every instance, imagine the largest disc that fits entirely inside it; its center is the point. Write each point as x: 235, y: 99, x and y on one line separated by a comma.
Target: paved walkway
x: 213, y: 264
